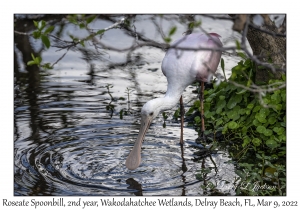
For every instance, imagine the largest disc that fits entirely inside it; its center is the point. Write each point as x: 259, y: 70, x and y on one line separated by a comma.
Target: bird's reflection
x: 184, y: 169
x: 135, y: 185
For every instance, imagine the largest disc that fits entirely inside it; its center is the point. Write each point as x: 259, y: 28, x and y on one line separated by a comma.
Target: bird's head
x: 149, y: 111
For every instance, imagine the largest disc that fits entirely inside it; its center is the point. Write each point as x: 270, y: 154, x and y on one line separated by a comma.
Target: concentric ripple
x: 83, y: 162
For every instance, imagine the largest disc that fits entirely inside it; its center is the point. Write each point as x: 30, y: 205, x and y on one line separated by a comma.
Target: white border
x: 8, y: 8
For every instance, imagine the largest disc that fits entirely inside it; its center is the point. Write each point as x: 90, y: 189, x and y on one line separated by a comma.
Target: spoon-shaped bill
x: 134, y: 158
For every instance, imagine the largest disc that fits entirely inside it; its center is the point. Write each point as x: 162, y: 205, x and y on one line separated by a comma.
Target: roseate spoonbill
x: 182, y: 67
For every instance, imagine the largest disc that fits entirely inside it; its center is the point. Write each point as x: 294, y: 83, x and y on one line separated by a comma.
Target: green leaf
x: 276, y: 129
x: 236, y: 108
x: 41, y: 25
x: 191, y: 110
x: 36, y: 34
x: 264, y: 111
x: 266, y: 101
x: 167, y: 39
x: 90, y: 19
x: 208, y: 114
x: 222, y: 64
x: 256, y: 122
x: 268, y: 132
x: 198, y: 23
x: 100, y: 32
x: 82, y: 43
x: 257, y: 108
x: 242, y: 55
x: 234, y: 115
x: 232, y: 125
x: 172, y: 31
x: 246, y: 141
x: 37, y: 60
x: 49, y: 30
x: 272, y: 120
x: 221, y: 104
x: 276, y: 98
x: 262, y: 120
x: 223, y: 68
x: 261, y: 117
x: 225, y: 128
x: 244, y: 130
x: 256, y: 142
x: 258, y: 156
x: 197, y: 103
x: 81, y: 25
x: 238, y: 45
x: 250, y: 106
x: 219, y: 122
x: 35, y: 24
x: 32, y: 55
x: 73, y: 19
x: 30, y: 63
x: 47, y: 66
x: 233, y: 101
x: 279, y: 131
x: 278, y: 107
x: 191, y: 25
x: 45, y: 40
x: 242, y: 111
x: 272, y: 144
x: 208, y: 100
x: 206, y: 106
x: 197, y: 119
x: 221, y: 97
x: 260, y: 129
x: 219, y: 110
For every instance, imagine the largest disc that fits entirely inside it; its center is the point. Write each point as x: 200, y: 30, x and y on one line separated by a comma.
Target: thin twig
x: 266, y: 31
x: 60, y: 58
x: 257, y: 90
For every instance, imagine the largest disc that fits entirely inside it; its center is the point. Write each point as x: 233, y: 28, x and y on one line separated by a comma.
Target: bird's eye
x: 151, y: 114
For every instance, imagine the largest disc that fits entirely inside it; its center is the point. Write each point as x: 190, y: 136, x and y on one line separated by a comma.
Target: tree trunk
x: 266, y: 48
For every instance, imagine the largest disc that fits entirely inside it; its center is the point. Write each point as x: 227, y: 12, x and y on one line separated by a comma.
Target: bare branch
x: 257, y: 89
x: 219, y: 17
x: 266, y: 31
x: 59, y: 58
x: 22, y: 33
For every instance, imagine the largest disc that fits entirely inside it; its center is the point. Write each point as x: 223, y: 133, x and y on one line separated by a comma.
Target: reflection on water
x: 75, y: 125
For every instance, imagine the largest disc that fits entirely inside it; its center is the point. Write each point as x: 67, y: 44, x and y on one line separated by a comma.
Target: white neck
x: 170, y: 99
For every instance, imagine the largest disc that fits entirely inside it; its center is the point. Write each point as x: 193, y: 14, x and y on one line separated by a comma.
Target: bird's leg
x: 202, y: 109
x: 181, y: 118
x: 183, y: 167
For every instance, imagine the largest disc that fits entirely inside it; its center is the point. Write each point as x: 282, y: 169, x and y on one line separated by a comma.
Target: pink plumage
x: 182, y: 67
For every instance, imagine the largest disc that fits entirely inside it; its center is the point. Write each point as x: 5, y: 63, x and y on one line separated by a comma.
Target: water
x: 75, y: 125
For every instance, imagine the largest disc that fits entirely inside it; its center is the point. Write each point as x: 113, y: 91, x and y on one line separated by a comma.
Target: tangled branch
x: 140, y: 40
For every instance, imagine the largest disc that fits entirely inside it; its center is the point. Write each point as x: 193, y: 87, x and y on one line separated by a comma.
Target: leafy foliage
x: 171, y: 32
x: 43, y: 33
x: 252, y: 123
